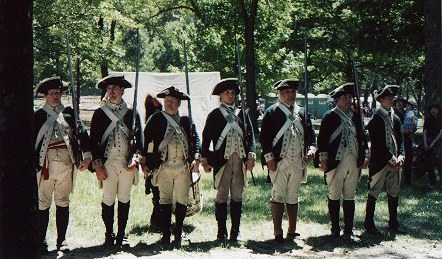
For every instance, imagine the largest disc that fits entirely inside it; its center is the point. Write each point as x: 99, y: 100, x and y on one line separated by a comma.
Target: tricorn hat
x: 387, y: 90
x: 50, y: 83
x: 226, y: 84
x: 174, y: 92
x: 286, y: 84
x: 347, y: 88
x: 113, y: 80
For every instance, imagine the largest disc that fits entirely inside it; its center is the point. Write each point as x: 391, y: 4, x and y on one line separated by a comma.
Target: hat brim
x: 394, y: 91
x: 226, y: 84
x: 182, y: 96
x: 49, y: 84
x: 120, y: 81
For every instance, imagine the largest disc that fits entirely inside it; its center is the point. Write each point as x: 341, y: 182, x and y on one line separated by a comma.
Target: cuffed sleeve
x: 251, y: 155
x: 97, y: 162
x: 323, y: 156
x: 269, y: 156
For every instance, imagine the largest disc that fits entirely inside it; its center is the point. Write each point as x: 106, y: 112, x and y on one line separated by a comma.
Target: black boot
x: 180, y: 215
x: 43, y: 221
x: 107, y: 214
x: 349, y: 214
x: 155, y: 218
x: 333, y: 210
x: 221, y: 218
x: 166, y: 217
x: 369, y: 216
x: 235, y: 217
x: 123, y: 215
x: 62, y: 220
x: 393, y: 224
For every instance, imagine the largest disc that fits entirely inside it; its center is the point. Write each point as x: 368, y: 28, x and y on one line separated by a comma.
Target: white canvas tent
x: 201, y: 85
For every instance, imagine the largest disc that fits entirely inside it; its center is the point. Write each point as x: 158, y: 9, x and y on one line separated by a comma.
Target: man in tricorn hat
x: 172, y: 152
x: 55, y: 144
x: 387, y: 157
x: 342, y: 147
x: 115, y: 164
x: 233, y: 148
x: 288, y: 141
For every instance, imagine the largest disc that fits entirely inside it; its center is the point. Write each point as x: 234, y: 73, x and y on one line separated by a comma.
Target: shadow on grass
x: 329, y: 243
x: 270, y: 247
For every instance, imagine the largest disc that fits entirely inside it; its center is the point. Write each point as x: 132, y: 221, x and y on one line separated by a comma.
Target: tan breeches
x: 286, y: 183
x: 59, y: 183
x: 232, y: 180
x: 174, y: 177
x: 388, y: 177
x: 118, y: 182
x: 344, y: 179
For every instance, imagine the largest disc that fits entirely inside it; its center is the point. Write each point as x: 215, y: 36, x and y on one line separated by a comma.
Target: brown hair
x: 151, y: 104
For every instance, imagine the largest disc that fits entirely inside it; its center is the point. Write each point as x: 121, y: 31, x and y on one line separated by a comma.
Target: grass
x: 420, y: 210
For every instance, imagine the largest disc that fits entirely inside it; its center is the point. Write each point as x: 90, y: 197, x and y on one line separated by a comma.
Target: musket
x: 356, y: 89
x: 243, y: 105
x: 305, y: 87
x: 78, y: 125
x: 189, y: 106
x: 135, y: 126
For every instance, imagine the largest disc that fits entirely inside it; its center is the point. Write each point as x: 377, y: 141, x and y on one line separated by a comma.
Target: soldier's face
x: 115, y: 93
x: 344, y: 102
x: 171, y: 105
x: 53, y: 97
x: 288, y: 96
x: 228, y: 97
x: 387, y: 102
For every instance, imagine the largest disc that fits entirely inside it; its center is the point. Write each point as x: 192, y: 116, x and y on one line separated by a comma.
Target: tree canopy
x: 385, y: 37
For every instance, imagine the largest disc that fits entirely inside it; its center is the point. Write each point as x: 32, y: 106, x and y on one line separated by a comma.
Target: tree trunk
x: 433, y: 52
x: 249, y: 31
x: 18, y: 186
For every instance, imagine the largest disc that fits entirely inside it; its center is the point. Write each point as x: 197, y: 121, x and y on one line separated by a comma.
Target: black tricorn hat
x: 347, y: 88
x: 113, y: 80
x: 387, y: 90
x: 226, y: 84
x: 50, y: 83
x: 174, y: 92
x: 286, y: 84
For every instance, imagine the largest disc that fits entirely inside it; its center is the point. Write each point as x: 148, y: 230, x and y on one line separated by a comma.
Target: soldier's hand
x: 271, y: 165
x: 250, y: 163
x: 324, y: 165
x: 101, y: 173
x: 310, y: 155
x: 194, y: 167
x: 207, y: 168
x: 144, y: 168
x: 84, y: 164
x: 400, y: 161
x: 132, y: 166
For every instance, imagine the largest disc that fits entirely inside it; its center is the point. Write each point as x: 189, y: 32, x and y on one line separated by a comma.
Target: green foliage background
x: 386, y: 38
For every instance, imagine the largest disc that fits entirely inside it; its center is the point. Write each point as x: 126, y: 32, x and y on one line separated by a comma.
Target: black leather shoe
x: 121, y: 242
x: 63, y: 246
x: 373, y: 231
x: 109, y: 240
x: 293, y: 235
x: 397, y: 230
x: 165, y: 240
x: 279, y: 239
